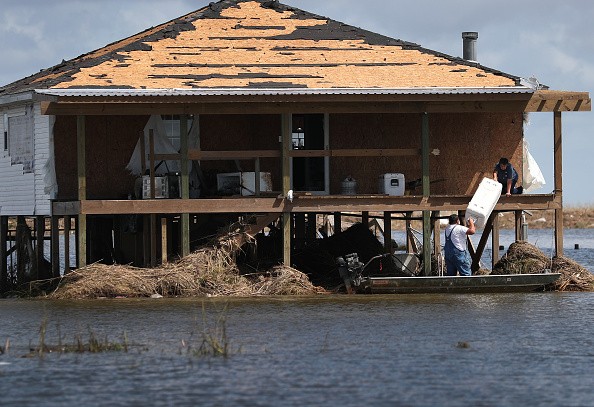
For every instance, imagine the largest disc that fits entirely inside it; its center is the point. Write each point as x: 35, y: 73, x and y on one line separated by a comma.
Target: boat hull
x: 457, y: 284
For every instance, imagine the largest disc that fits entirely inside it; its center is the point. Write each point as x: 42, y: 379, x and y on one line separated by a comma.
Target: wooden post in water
x: 163, y: 240
x: 558, y: 164
x: 82, y: 189
x: 495, y: 240
x: 67, y: 244
x: 39, y: 243
x: 185, y: 184
x: 55, y: 245
x: 518, y: 225
x: 388, y: 247
x: 3, y: 253
x: 426, y: 192
x: 286, y: 130
x: 365, y: 219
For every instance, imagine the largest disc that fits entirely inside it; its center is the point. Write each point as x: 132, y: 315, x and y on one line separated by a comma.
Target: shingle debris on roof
x: 261, y: 44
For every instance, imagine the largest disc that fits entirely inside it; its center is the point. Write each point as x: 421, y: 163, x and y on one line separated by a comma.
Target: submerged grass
x: 80, y: 345
x: 212, y: 340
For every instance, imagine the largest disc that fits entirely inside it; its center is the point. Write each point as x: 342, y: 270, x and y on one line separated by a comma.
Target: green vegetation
x: 93, y: 345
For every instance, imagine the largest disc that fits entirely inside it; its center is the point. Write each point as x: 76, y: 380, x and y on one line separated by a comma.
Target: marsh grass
x: 213, y: 339
x: 94, y: 344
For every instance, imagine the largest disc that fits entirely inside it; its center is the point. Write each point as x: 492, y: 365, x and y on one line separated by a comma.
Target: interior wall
x: 110, y: 141
x: 469, y: 145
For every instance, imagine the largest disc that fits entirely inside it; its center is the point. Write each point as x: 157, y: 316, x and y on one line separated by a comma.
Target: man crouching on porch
x: 456, y: 251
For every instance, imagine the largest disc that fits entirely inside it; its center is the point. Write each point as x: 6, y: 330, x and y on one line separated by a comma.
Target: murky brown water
x: 523, y: 349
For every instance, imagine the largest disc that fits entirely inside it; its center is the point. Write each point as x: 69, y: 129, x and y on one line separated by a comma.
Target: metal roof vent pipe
x: 469, y: 45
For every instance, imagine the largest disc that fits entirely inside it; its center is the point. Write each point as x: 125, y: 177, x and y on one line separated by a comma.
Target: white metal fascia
x: 116, y: 92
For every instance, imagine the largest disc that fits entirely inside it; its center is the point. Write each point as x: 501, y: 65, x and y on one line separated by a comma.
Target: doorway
x: 310, y: 174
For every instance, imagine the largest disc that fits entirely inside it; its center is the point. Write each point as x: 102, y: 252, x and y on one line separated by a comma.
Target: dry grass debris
x: 525, y: 258
x: 209, y: 271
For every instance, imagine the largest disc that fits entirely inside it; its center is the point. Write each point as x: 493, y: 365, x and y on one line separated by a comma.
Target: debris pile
x: 525, y: 258
x: 210, y: 271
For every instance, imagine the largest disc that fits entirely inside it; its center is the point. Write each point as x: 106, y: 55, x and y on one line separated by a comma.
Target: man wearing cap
x: 507, y: 176
x: 455, y: 249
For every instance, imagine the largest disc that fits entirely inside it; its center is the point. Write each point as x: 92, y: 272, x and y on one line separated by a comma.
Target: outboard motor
x: 350, y: 269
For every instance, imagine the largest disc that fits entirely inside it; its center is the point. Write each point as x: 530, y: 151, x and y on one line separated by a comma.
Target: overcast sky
x: 548, y: 39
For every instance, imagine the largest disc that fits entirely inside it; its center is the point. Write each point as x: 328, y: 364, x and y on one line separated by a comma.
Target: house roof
x: 248, y: 45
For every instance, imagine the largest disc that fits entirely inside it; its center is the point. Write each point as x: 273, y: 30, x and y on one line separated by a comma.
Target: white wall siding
x: 43, y: 129
x: 22, y: 193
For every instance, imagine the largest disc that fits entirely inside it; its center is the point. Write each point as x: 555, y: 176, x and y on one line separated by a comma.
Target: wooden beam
x: 558, y: 101
x: 314, y: 203
x: 136, y: 109
x: 558, y: 174
x: 253, y: 154
x: 81, y: 230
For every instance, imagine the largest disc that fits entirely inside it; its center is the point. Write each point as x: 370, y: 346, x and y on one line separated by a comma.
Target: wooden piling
x: 3, y: 253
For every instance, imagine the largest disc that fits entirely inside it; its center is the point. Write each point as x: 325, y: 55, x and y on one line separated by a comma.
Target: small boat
x: 457, y: 284
x: 398, y: 274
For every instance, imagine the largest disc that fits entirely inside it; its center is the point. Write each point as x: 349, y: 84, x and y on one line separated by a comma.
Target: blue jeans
x: 457, y: 260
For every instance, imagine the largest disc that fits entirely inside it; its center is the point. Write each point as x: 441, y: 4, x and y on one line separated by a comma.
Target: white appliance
x: 483, y: 201
x: 242, y: 183
x: 161, y: 187
x: 391, y: 184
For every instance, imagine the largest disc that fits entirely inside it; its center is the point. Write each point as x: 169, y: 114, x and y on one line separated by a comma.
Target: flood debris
x: 525, y: 258
x: 209, y: 271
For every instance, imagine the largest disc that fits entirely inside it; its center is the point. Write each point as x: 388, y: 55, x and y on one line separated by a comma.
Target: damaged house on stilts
x: 251, y: 107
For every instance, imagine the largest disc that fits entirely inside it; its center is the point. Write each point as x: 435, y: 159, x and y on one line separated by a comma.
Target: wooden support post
x: 312, y: 225
x: 257, y: 176
x: 558, y: 165
x: 39, y: 248
x: 409, y: 241
x: 388, y: 247
x: 152, y: 164
x: 299, y: 229
x: 163, y: 240
x: 286, y: 127
x: 365, y: 219
x: 66, y: 244
x: 337, y: 223
x: 518, y: 225
x: 185, y: 184
x: 495, y: 240
x: 476, y: 259
x: 436, y: 233
x: 426, y: 192
x: 3, y: 253
x: 55, y: 245
x: 153, y: 239
x: 81, y: 232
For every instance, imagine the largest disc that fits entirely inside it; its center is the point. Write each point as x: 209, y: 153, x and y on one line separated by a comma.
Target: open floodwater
x: 534, y: 349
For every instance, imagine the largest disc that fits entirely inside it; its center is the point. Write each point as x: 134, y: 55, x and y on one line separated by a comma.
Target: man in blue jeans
x: 456, y: 254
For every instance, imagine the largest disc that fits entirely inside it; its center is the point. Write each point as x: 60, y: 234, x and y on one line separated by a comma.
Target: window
x: 171, y: 123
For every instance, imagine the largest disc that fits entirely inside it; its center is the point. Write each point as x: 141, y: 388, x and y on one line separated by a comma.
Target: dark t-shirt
x: 504, y: 175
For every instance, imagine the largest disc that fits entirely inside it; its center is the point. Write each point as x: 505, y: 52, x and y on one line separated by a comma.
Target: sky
x: 550, y: 40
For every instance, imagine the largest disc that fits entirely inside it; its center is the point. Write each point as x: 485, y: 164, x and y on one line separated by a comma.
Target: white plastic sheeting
x: 162, y: 146
x: 532, y: 176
